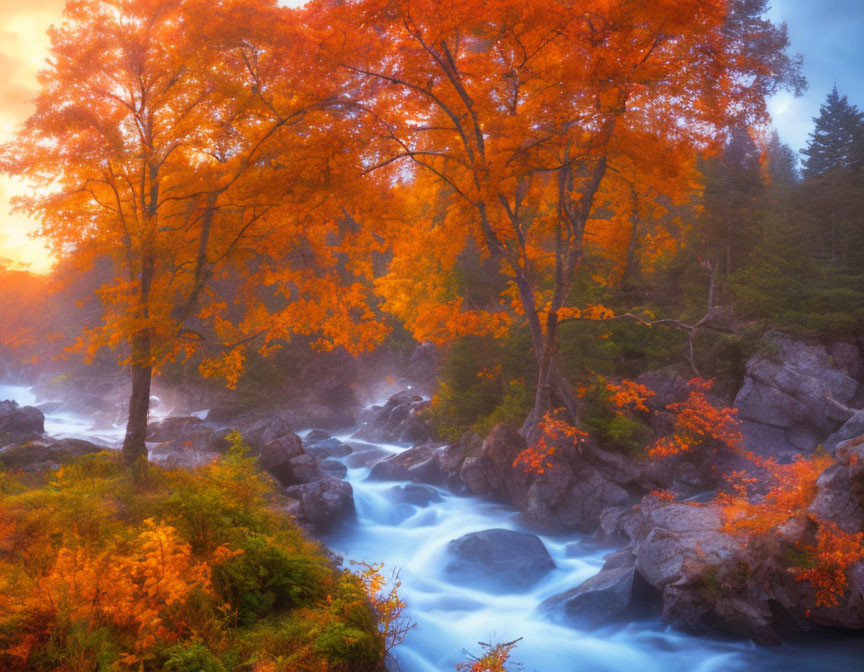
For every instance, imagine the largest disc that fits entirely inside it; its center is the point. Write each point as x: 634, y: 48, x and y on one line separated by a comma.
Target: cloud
x: 828, y: 34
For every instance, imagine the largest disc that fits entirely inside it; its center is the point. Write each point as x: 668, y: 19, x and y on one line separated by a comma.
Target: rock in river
x: 498, y: 560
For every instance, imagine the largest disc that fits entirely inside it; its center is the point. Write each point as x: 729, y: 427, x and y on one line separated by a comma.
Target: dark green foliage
x: 835, y: 142
x: 482, y: 381
x: 266, y: 579
x: 191, y: 657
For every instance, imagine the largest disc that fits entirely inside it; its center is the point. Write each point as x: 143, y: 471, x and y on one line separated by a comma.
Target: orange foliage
x: 792, y: 492
x: 193, y: 146
x: 628, y: 393
x: 494, y: 659
x: 383, y: 595
x: 143, y: 591
x: 834, y: 552
x: 535, y: 459
x: 529, y: 138
x: 663, y: 495
x: 789, y: 497
x: 696, y: 422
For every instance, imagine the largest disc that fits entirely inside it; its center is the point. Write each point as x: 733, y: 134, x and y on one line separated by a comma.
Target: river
x: 452, y: 618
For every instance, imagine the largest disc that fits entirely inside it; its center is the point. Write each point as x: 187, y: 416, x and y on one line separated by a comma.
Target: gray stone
x: 18, y: 423
x: 45, y: 453
x: 325, y: 504
x: 498, y: 560
x: 605, y: 597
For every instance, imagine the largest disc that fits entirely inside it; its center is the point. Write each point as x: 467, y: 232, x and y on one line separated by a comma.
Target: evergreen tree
x: 733, y: 185
x: 831, y: 200
x: 837, y: 137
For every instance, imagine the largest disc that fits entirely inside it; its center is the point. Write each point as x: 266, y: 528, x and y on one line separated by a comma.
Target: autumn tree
x: 537, y: 132
x: 193, y: 145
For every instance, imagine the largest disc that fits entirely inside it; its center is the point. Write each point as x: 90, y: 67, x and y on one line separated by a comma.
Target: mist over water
x: 453, y: 618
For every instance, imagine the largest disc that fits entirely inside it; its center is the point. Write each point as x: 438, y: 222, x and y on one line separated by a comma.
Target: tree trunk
x: 134, y: 447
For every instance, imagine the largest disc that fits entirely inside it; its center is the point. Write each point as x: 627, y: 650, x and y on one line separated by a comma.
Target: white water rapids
x: 451, y: 618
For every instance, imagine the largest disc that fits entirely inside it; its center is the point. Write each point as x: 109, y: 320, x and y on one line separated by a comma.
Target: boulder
x: 791, y: 388
x: 840, y: 489
x: 45, y: 453
x: 399, y: 421
x: 333, y: 468
x: 498, y: 560
x: 279, y: 451
x: 365, y: 455
x: 186, y: 436
x: 615, y: 593
x: 415, y: 464
x: 324, y: 504
x: 571, y: 493
x: 19, y: 423
x: 851, y: 429
x: 298, y: 470
x: 262, y: 432
x: 328, y: 447
x: 416, y: 495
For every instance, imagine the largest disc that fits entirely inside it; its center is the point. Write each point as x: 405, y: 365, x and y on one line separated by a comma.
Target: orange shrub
x: 696, y: 422
x: 535, y: 458
x: 824, y: 565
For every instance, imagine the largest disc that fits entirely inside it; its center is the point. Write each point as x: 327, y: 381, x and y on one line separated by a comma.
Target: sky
x: 829, y: 33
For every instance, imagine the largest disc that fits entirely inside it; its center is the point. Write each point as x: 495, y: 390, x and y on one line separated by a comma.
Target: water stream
x: 413, y: 538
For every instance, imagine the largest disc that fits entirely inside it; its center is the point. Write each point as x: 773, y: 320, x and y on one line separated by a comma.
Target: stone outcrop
x: 19, y: 423
x: 323, y: 504
x: 787, y: 401
x: 570, y: 494
x: 44, y: 453
x: 706, y: 581
x: 616, y: 592
x: 399, y: 421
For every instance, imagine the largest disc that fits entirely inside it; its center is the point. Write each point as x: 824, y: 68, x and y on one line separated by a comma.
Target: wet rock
x: 279, y: 451
x: 333, y: 468
x: 498, y: 560
x: 45, y: 453
x: 417, y: 495
x: 570, y: 494
x: 266, y: 430
x: 316, y: 435
x: 399, y: 421
x: 298, y: 470
x: 19, y: 423
x: 328, y: 447
x: 411, y: 464
x: 324, y: 504
x: 365, y: 455
x: 615, y: 593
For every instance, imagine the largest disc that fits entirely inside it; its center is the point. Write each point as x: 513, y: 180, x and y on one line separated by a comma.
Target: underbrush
x: 186, y: 571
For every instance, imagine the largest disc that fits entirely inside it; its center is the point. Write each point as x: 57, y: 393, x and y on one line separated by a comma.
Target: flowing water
x: 452, y: 618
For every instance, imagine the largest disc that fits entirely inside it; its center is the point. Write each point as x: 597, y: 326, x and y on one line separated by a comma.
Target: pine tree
x: 832, y: 194
x: 836, y: 139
